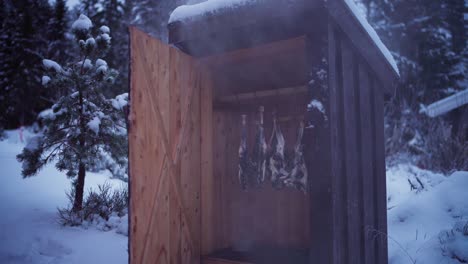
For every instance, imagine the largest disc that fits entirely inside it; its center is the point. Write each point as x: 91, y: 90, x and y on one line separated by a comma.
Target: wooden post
x: 379, y: 173
x: 351, y: 127
x: 319, y: 151
x: 368, y: 179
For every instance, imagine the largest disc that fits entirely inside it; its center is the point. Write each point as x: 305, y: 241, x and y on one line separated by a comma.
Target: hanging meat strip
x: 260, y: 150
x: 298, y: 176
x: 244, y: 162
x: 276, y: 159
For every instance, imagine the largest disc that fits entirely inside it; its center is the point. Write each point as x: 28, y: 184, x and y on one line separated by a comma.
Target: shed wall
x: 263, y: 215
x: 353, y: 160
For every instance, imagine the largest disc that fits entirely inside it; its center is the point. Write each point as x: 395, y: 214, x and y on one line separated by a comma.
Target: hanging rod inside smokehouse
x: 260, y: 94
x: 229, y: 101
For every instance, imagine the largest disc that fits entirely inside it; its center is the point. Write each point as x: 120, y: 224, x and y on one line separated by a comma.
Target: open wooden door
x: 165, y: 142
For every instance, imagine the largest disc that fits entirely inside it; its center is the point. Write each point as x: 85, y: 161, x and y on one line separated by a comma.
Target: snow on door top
x: 186, y: 12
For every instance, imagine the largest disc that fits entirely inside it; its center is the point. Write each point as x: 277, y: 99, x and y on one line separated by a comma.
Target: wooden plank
x: 242, y: 97
x: 318, y: 153
x: 150, y: 69
x: 243, y: 214
x: 379, y: 174
x: 157, y: 246
x: 210, y: 260
x: 259, y: 52
x: 190, y: 165
x: 335, y: 79
x: 351, y: 153
x: 367, y: 162
x: 165, y: 81
x: 143, y: 139
x: 272, y: 66
x: 207, y: 181
x: 218, y: 158
x: 367, y: 48
x: 360, y: 230
x: 175, y: 127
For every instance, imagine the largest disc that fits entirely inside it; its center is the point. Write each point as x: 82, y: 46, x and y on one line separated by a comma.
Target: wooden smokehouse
x: 308, y: 60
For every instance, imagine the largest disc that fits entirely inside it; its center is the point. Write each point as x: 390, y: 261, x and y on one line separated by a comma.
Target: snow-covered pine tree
x: 116, y: 15
x: 82, y: 123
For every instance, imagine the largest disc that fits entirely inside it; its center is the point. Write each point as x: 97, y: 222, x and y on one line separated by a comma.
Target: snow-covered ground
x: 29, y: 230
x: 421, y: 220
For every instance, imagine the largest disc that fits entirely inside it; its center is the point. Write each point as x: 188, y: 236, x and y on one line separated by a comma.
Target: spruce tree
x: 82, y: 123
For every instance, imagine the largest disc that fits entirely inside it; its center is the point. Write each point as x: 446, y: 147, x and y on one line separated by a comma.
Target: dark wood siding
x: 368, y: 194
x: 380, y: 188
x: 356, y: 164
x: 351, y: 151
x: 318, y: 156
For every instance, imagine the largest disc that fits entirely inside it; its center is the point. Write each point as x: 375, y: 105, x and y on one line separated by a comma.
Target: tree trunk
x: 79, y: 188
x: 79, y: 184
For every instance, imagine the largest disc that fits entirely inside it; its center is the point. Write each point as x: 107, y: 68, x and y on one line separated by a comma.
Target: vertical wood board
x: 350, y: 123
x: 367, y: 163
x: 379, y: 174
x: 165, y: 131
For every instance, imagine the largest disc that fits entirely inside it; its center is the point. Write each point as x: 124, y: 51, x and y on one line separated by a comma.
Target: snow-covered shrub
x: 401, y: 130
x: 107, y: 162
x: 444, y: 152
x: 454, y: 242
x: 67, y: 216
x: 428, y: 142
x: 98, y: 206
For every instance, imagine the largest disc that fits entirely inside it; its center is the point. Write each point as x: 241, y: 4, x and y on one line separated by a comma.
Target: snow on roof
x: 82, y: 23
x: 186, y: 12
x: 447, y: 104
x: 371, y: 32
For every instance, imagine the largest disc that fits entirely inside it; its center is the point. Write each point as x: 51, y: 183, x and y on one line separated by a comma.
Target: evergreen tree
x: 92, y: 9
x: 429, y: 41
x: 115, y: 14
x: 58, y: 46
x: 22, y: 43
x: 428, y: 38
x: 82, y: 123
